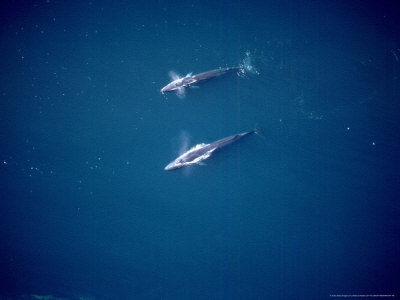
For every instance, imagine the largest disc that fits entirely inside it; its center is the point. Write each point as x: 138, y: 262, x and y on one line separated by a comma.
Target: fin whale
x: 203, y: 151
x: 178, y: 83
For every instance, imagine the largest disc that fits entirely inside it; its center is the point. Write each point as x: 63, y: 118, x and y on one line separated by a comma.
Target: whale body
x: 179, y: 83
x: 203, y: 151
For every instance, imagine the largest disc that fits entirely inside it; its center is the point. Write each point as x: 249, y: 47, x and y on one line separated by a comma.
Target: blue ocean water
x: 308, y: 210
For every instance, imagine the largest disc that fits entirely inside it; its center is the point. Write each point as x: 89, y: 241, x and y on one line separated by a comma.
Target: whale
x: 200, y: 152
x: 178, y: 83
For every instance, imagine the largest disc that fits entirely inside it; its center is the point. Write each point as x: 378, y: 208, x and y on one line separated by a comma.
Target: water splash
x: 246, y: 66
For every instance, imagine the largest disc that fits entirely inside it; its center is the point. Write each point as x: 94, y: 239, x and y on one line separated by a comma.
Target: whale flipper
x: 180, y: 92
x: 173, y: 75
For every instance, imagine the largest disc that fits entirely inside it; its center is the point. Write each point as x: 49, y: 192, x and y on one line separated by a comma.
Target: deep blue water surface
x: 308, y: 210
